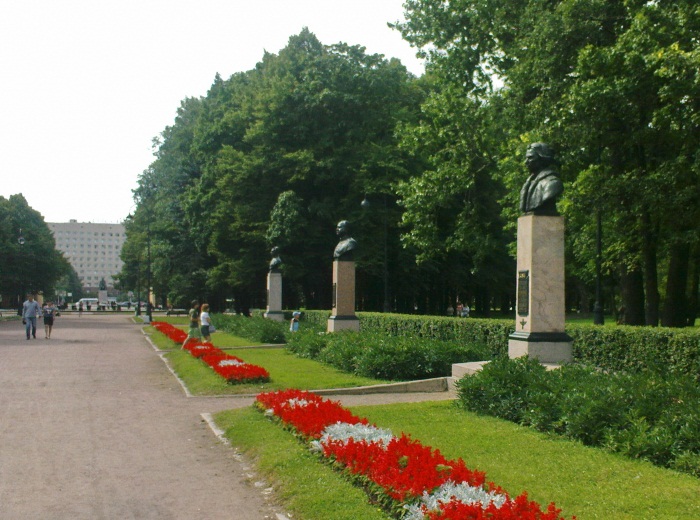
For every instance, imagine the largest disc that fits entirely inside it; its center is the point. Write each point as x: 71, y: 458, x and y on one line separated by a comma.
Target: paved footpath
x: 94, y: 426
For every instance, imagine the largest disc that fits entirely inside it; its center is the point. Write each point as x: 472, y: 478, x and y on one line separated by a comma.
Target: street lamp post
x: 20, y: 241
x: 598, y: 315
x: 148, y: 289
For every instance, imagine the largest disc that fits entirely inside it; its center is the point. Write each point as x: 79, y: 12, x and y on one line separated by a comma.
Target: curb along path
x: 93, y: 426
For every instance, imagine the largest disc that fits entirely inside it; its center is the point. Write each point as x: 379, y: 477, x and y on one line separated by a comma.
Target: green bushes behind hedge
x: 253, y: 328
x: 382, y: 356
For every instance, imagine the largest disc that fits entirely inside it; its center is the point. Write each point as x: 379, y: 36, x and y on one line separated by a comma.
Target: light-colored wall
x: 92, y: 249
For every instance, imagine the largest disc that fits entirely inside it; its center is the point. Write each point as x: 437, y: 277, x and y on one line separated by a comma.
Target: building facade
x: 92, y: 249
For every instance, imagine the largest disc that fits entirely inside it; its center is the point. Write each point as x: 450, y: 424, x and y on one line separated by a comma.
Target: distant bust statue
x: 276, y: 261
x: 103, y: 285
x: 540, y: 192
x: 346, y: 246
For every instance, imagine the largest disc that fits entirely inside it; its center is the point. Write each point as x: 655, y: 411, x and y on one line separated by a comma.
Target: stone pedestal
x: 274, y: 296
x: 343, y: 313
x: 540, y: 313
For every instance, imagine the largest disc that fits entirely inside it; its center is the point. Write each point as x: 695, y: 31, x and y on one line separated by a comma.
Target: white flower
x: 231, y: 362
x: 358, y: 432
x: 450, y: 491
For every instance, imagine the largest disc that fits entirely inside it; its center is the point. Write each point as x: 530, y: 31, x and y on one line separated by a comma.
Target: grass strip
x: 582, y: 481
x: 306, y: 487
x: 286, y: 371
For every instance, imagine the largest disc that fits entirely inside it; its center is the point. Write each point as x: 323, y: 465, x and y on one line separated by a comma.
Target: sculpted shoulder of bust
x: 540, y: 192
x: 347, y: 244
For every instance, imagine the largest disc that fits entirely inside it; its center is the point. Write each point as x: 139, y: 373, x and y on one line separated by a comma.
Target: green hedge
x: 635, y: 349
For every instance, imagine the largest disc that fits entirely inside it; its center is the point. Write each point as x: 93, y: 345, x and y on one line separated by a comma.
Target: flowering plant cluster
x: 231, y: 368
x: 413, y: 478
x: 175, y: 334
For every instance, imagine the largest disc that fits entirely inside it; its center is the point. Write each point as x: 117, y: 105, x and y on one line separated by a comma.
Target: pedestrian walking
x: 30, y: 311
x: 49, y: 312
x: 205, y: 321
x: 194, y: 333
x: 80, y: 309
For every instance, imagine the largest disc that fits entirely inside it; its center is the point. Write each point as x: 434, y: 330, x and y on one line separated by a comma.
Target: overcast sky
x: 85, y: 85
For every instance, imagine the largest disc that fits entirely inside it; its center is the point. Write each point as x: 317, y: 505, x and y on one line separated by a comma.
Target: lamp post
x: 20, y: 241
x: 365, y: 204
x: 148, y: 289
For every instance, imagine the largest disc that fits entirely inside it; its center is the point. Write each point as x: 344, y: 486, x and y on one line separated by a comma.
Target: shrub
x: 641, y: 415
x: 257, y: 329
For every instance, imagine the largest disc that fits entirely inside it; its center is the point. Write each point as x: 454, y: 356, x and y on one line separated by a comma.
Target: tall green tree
x: 612, y: 85
x: 31, y: 263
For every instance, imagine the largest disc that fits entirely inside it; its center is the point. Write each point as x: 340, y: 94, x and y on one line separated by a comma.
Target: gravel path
x: 94, y: 426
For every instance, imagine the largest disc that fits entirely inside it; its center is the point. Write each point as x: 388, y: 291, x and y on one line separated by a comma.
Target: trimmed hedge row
x: 381, y: 356
x: 619, y: 348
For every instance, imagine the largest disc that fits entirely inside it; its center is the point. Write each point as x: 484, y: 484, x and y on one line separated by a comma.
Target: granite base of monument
x: 545, y: 347
x: 337, y: 323
x: 540, y: 314
x: 274, y: 296
x: 343, y: 313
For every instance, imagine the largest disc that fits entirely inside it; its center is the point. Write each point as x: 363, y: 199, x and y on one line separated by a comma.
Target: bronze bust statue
x: 276, y: 261
x: 346, y: 246
x: 540, y: 192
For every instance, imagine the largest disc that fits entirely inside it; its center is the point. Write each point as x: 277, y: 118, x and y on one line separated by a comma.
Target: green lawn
x: 585, y: 482
x: 286, y: 370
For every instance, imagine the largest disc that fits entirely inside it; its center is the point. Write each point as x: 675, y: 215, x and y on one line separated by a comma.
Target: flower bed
x: 414, y: 481
x: 231, y: 368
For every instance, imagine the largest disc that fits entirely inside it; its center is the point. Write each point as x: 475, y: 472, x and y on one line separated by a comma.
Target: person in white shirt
x: 205, y: 322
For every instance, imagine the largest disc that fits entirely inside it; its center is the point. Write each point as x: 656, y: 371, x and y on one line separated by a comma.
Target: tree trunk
x: 693, y: 307
x: 651, y: 278
x: 676, y: 306
x: 632, y: 289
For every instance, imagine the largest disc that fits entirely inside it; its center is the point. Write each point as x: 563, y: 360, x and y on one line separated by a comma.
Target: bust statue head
x: 538, y: 157
x: 347, y: 244
x: 276, y: 261
x: 539, y: 194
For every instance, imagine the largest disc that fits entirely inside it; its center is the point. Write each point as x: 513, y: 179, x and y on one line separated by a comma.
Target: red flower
x: 403, y: 468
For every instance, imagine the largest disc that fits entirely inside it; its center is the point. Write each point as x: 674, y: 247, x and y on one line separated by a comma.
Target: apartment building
x: 92, y: 249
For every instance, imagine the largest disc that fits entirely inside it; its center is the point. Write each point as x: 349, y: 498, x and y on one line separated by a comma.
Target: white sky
x: 85, y: 85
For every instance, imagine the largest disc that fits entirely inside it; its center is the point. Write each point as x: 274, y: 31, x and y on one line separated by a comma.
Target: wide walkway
x: 94, y: 426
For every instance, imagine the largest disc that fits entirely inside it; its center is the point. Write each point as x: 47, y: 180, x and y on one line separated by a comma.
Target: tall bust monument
x: 343, y: 313
x: 274, y: 287
x: 539, y: 323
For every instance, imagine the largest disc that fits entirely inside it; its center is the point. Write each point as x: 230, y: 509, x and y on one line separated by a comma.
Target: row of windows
x: 87, y: 233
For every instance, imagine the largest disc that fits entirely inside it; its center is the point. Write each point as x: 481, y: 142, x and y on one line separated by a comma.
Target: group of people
x: 201, y: 326
x: 31, y: 311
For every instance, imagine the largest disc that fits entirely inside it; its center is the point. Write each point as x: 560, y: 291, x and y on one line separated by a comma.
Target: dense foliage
x: 640, y: 415
x: 613, y: 85
x: 31, y: 264
x: 277, y: 155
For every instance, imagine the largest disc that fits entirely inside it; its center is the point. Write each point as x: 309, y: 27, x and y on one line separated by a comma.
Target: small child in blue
x: 294, y: 323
